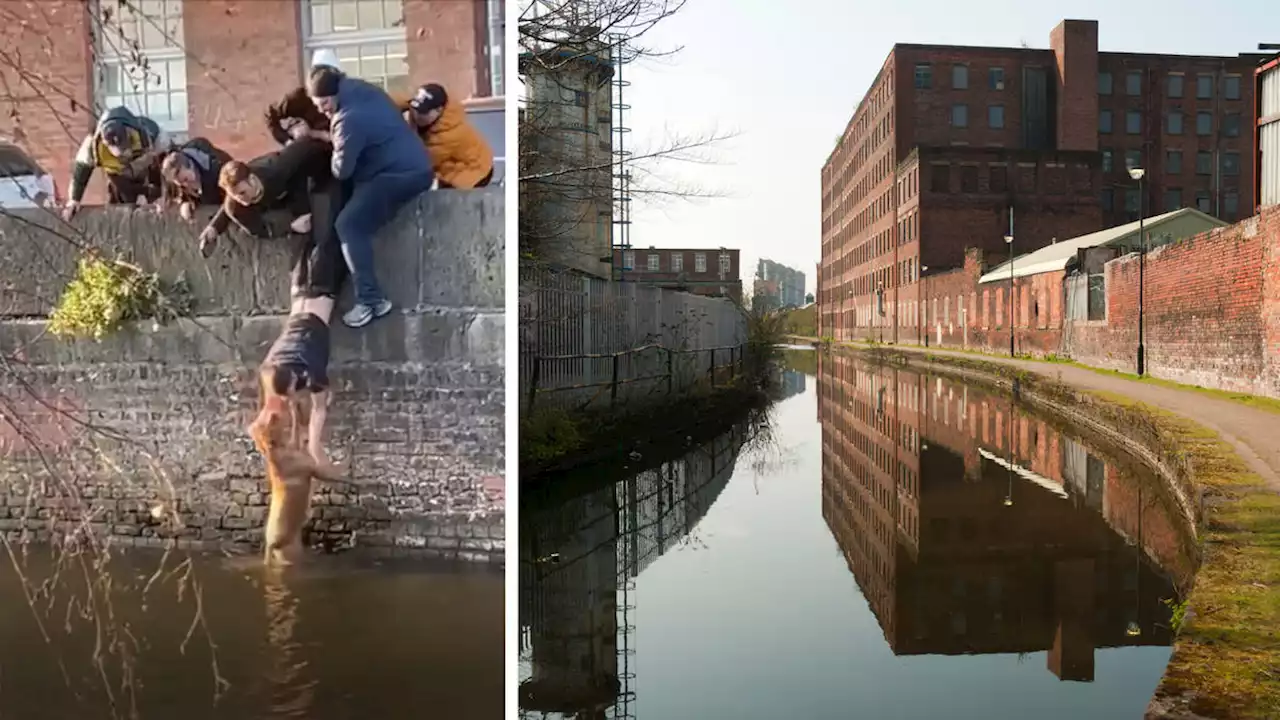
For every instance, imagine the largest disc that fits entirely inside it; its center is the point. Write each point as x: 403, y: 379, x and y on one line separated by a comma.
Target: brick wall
x: 240, y: 56
x: 1209, y: 311
x: 142, y: 435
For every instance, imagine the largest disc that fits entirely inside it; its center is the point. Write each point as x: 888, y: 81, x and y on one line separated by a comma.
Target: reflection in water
x: 338, y: 637
x: 920, y: 541
x: 578, y: 562
x: 292, y: 690
x: 974, y: 527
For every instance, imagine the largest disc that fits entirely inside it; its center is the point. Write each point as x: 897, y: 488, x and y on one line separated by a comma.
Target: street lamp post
x: 1137, y: 173
x: 1008, y: 239
x: 924, y: 302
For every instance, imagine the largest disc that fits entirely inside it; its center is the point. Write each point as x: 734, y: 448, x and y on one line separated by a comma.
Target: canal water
x: 886, y: 545
x: 155, y: 638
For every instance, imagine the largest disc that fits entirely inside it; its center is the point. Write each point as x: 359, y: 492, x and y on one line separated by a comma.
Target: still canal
x: 888, y: 545
x: 146, y: 637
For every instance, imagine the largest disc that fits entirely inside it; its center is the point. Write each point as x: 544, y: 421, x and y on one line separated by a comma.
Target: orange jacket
x: 459, y: 154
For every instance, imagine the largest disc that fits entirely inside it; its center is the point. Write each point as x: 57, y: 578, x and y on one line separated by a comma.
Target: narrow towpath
x: 1254, y: 433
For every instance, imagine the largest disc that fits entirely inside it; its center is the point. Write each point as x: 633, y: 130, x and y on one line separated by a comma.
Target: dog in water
x: 291, y: 468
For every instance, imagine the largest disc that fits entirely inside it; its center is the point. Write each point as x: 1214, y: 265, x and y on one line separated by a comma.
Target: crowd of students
x: 351, y: 157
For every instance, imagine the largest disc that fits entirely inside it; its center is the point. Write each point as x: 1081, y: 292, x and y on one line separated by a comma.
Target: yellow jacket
x: 459, y: 154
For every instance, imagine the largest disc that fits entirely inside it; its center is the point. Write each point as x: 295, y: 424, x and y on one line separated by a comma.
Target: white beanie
x: 324, y: 57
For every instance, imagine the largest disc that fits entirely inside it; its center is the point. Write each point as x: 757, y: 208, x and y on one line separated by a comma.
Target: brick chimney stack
x: 1075, y: 48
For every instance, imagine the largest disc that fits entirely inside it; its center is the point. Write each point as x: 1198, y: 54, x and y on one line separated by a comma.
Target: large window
x: 367, y: 35
x: 152, y: 80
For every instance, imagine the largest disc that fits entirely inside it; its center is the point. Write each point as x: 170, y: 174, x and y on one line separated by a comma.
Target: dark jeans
x: 484, y: 182
x: 372, y: 204
x: 319, y: 269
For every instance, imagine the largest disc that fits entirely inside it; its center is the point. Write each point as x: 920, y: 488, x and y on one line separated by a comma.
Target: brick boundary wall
x: 1209, y: 311
x: 141, y: 437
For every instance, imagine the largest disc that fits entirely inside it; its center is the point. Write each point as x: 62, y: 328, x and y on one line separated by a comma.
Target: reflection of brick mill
x: 578, y: 561
x: 957, y: 550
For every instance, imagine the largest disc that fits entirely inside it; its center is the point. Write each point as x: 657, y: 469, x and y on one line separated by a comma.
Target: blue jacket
x: 370, y: 136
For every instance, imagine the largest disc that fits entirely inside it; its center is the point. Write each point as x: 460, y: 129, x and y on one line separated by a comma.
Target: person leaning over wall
x: 459, y: 154
x: 295, y: 116
x: 279, y: 180
x: 377, y: 153
x: 127, y: 148
x: 190, y: 177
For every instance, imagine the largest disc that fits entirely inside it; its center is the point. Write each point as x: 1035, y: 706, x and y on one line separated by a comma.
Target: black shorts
x: 303, y: 345
x: 319, y: 268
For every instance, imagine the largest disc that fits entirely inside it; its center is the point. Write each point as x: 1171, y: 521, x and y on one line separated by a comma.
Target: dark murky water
x: 877, y: 554
x: 343, y: 637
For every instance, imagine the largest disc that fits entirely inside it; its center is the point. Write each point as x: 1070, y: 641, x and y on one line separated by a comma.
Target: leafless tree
x: 572, y: 169
x: 56, y: 459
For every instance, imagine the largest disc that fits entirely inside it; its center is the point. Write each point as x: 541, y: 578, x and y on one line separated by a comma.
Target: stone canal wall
x: 141, y: 436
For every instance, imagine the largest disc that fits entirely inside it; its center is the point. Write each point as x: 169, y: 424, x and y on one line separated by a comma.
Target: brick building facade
x: 212, y: 66
x: 700, y: 271
x: 1064, y: 123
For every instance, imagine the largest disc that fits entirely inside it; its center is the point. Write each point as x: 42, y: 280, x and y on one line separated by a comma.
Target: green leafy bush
x: 104, y: 295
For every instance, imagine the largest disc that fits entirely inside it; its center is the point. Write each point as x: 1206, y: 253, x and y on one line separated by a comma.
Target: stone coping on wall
x: 446, y: 249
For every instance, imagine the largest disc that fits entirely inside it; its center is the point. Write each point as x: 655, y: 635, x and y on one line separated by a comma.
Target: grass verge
x: 1226, y: 659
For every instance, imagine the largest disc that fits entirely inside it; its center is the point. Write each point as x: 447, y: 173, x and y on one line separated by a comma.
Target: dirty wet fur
x: 291, y: 470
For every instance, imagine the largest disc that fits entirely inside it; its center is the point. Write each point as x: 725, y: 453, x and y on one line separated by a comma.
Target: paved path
x: 1254, y: 433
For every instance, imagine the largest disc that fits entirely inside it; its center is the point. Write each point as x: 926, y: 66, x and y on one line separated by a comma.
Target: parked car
x: 23, y: 183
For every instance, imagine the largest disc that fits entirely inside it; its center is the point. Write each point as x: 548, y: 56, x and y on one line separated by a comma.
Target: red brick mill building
x: 955, y: 148
x: 216, y: 64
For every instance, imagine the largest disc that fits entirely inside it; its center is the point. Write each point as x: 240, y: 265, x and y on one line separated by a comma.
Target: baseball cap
x: 115, y: 135
x: 429, y: 97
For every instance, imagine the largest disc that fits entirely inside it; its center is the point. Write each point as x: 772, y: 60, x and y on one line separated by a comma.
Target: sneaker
x: 363, y: 314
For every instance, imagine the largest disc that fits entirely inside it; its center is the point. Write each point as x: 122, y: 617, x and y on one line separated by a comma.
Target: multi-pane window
x: 1106, y: 161
x: 1231, y: 87
x: 1231, y: 125
x: 924, y: 76
x: 1204, y: 163
x: 700, y: 262
x: 367, y: 35
x: 1133, y: 122
x: 655, y: 262
x: 151, y: 80
x: 1133, y: 82
x: 1131, y: 200
x: 726, y: 263
x: 1230, y: 163
x: 677, y: 262
x: 995, y: 78
x: 1204, y: 123
x: 497, y: 25
x: 1132, y: 159
x: 1204, y: 87
x: 628, y: 259
x: 995, y: 116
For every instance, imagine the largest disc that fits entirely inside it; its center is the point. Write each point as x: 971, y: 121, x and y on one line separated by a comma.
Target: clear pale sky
x: 787, y: 77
